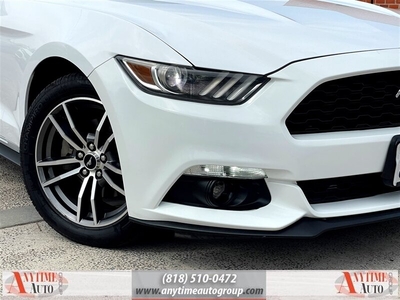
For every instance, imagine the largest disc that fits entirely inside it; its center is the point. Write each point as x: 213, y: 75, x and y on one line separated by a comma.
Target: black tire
x: 64, y: 116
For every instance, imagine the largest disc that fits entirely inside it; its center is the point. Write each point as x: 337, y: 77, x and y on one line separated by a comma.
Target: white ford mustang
x: 268, y: 118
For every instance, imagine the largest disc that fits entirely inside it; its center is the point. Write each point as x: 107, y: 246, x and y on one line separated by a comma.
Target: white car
x: 266, y: 118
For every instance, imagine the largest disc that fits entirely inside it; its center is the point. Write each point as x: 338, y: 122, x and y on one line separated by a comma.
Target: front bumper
x: 304, y: 228
x: 159, y: 138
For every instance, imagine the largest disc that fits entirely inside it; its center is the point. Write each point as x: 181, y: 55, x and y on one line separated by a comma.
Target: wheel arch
x: 50, y: 62
x: 46, y: 72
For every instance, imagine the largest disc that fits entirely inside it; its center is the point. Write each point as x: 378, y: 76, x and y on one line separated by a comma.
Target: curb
x: 19, y: 216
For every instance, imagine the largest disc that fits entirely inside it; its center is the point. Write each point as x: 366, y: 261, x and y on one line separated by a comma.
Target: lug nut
x: 80, y: 155
x: 103, y: 158
x: 91, y: 146
x: 84, y: 172
x: 99, y: 174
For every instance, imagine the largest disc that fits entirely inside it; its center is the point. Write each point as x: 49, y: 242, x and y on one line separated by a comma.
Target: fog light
x: 226, y: 172
x: 218, y: 193
x: 218, y: 189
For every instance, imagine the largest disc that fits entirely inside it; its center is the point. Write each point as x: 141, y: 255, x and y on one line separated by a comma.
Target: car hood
x: 261, y: 36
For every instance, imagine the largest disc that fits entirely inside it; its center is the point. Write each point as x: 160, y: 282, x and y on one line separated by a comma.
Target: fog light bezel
x: 243, y: 194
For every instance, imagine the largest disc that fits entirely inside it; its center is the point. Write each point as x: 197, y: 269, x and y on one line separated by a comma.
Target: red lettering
x: 356, y: 277
x: 20, y: 285
x: 350, y: 285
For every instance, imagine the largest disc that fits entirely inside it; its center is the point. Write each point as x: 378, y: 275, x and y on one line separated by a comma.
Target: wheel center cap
x: 91, y: 161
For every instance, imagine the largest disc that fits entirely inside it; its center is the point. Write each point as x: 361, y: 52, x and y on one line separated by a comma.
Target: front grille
x: 344, y: 188
x: 353, y: 103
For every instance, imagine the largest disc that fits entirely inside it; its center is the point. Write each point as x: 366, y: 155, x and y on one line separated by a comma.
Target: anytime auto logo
x: 367, y: 283
x: 35, y: 284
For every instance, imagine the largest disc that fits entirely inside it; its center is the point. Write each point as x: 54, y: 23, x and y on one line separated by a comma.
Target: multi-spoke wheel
x: 71, y: 165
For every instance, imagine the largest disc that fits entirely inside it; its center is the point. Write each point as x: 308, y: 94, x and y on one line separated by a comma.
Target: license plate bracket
x: 391, y: 170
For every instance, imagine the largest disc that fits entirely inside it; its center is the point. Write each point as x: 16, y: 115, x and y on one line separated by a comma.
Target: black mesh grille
x: 353, y: 103
x: 344, y: 188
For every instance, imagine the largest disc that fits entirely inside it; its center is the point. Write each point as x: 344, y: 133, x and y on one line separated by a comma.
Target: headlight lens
x: 185, y: 83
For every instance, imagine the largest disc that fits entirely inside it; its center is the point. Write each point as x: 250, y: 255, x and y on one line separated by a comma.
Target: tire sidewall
x: 65, y: 88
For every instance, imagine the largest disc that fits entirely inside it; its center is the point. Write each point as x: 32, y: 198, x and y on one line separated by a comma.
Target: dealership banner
x: 147, y: 285
x: 207, y: 285
x: 382, y: 284
x: 73, y: 285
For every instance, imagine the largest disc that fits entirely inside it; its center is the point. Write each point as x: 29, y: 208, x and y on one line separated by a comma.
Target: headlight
x: 190, y: 84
